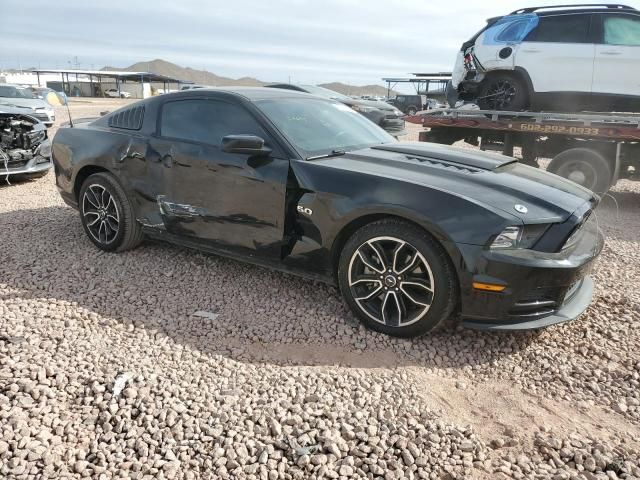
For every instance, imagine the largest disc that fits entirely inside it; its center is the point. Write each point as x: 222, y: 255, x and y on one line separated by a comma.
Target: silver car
x: 22, y: 98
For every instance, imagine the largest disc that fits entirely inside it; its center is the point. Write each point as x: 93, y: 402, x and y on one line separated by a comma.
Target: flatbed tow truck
x: 592, y: 149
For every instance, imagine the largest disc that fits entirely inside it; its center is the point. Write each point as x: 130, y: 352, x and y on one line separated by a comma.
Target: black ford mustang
x: 409, y: 232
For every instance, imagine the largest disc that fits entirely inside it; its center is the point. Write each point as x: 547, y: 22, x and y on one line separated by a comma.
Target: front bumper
x: 570, y: 309
x: 37, y: 164
x: 542, y: 288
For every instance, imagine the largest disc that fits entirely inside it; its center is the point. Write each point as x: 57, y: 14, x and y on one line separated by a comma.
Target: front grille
x: 41, y: 116
x: 14, y: 164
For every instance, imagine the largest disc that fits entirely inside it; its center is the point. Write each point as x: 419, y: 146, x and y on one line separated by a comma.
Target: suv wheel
x: 503, y: 92
x: 107, y: 215
x: 411, y: 111
x: 397, y: 279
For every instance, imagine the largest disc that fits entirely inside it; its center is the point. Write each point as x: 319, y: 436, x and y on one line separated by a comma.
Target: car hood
x: 31, y: 103
x: 369, y: 103
x: 495, y: 181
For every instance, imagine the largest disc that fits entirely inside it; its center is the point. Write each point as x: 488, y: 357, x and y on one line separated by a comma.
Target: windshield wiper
x: 333, y: 153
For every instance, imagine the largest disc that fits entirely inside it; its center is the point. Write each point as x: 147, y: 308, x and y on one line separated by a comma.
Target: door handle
x: 611, y: 52
x: 530, y: 50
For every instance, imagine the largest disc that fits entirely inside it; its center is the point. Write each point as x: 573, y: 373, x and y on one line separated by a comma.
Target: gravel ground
x: 167, y: 363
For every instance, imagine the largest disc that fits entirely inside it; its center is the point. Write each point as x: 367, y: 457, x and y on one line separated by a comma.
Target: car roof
x: 249, y: 93
x: 577, y: 8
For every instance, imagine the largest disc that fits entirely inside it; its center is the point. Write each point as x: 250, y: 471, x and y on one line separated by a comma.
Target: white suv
x: 557, y: 58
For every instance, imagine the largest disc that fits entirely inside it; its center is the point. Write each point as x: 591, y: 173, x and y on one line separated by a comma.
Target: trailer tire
x: 584, y: 166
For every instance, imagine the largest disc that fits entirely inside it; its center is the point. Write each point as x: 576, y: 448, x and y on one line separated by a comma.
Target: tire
x: 117, y: 229
x: 415, y: 263
x: 503, y: 92
x: 411, y: 110
x: 585, y: 167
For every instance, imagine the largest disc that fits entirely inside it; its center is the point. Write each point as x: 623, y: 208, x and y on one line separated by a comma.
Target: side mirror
x: 246, y: 144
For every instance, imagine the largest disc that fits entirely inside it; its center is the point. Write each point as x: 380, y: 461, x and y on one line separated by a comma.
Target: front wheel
x: 107, y: 215
x: 397, y: 279
x: 411, y: 111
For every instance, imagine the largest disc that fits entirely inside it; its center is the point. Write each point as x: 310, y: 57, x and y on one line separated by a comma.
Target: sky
x: 355, y: 42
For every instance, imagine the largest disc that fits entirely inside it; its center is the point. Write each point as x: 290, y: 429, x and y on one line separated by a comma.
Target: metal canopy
x: 422, y: 83
x: 121, y: 75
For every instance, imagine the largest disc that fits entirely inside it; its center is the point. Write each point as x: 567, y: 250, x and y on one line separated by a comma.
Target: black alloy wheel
x: 397, y: 279
x: 100, y: 214
x: 502, y: 92
x: 107, y: 215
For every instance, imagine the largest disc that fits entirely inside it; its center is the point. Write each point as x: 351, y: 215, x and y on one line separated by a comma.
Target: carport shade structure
x: 119, y: 76
x: 422, y: 83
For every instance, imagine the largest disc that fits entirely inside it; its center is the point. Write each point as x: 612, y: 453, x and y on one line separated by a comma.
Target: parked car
x: 380, y: 113
x: 410, y: 232
x: 192, y: 86
x: 22, y: 98
x: 49, y: 95
x: 24, y: 146
x: 113, y: 93
x: 558, y: 58
x: 409, y: 104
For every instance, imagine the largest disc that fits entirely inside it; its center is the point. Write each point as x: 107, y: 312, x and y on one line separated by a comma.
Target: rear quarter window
x: 622, y: 30
x: 572, y: 28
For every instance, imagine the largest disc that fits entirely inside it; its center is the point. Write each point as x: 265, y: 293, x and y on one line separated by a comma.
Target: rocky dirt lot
x: 167, y: 363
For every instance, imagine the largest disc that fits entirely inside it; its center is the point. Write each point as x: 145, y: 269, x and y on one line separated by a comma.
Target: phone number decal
x: 534, y: 127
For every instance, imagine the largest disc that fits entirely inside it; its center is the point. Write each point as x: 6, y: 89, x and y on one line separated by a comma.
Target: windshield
x: 8, y: 91
x: 324, y: 92
x: 318, y: 127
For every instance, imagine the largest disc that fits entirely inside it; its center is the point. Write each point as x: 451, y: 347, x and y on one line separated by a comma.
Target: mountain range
x: 204, y: 77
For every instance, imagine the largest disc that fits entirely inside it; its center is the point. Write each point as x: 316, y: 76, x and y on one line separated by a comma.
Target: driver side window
x: 622, y: 30
x: 207, y: 121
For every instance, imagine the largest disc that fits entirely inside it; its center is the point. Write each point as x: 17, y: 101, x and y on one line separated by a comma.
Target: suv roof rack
x: 605, y: 5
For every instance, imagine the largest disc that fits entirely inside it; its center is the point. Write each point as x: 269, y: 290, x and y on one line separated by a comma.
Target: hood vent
x: 129, y: 119
x: 463, y: 157
x: 446, y: 165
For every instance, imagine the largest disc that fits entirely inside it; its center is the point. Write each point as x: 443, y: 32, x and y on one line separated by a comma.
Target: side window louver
x: 129, y: 119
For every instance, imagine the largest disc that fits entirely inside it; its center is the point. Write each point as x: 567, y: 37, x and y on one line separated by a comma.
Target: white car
x: 113, y: 93
x: 556, y: 58
x: 22, y: 98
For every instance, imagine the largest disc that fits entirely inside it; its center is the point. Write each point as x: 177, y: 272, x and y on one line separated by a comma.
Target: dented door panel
x: 231, y: 200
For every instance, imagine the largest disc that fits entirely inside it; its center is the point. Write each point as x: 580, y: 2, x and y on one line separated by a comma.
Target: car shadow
x: 254, y: 315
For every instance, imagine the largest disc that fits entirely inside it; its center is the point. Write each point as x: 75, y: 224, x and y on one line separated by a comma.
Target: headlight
x: 398, y: 112
x: 363, y: 109
x: 508, y: 238
x: 519, y: 237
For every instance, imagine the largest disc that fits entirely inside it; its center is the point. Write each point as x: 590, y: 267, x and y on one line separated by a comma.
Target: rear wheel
x: 411, y: 110
x: 397, y: 279
x: 585, y: 167
x: 107, y: 215
x: 503, y: 92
